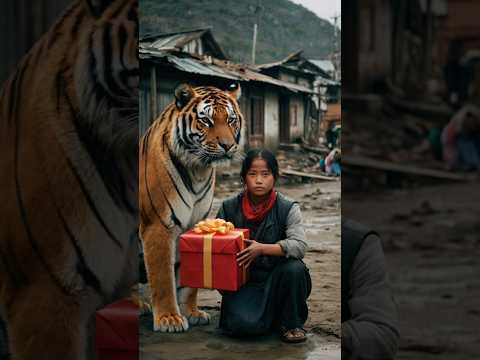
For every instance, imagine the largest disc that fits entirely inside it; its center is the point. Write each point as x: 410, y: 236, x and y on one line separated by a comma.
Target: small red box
x: 117, y: 328
x: 210, y: 261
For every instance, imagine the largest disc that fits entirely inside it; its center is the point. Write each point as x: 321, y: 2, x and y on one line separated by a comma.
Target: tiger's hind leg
x: 159, y: 246
x: 140, y: 296
x: 188, y: 305
x: 44, y: 324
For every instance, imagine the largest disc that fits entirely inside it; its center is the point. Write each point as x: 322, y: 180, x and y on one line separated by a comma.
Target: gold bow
x: 213, y: 226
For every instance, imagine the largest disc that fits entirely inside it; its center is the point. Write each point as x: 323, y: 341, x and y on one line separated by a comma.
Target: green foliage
x: 284, y: 27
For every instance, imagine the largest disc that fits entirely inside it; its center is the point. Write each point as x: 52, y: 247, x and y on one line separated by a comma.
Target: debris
x: 318, y: 150
x: 426, y: 348
x: 303, y: 174
x: 326, y: 331
x: 425, y: 208
x: 364, y: 161
x: 439, y: 111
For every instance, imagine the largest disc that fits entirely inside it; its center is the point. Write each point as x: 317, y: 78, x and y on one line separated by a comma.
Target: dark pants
x: 280, y: 300
x: 468, y: 152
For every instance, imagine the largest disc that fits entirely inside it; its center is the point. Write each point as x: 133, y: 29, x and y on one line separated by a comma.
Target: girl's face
x: 259, y: 178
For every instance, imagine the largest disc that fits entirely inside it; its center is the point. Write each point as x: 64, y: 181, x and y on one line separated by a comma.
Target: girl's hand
x: 247, y: 255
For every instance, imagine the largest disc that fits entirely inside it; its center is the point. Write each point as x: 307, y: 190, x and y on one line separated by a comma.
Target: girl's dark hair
x: 264, y: 154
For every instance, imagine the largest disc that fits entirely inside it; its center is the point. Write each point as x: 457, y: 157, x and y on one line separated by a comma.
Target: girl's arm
x: 294, y: 245
x: 272, y: 250
x: 254, y: 249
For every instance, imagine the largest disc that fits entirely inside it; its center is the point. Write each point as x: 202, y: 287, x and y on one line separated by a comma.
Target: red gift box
x: 210, y: 260
x: 117, y: 328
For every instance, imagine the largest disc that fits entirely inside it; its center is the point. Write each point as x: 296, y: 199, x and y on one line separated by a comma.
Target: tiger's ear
x: 97, y: 7
x: 235, y: 91
x: 183, y: 94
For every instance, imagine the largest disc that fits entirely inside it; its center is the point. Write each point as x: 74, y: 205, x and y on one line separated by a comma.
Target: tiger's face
x: 208, y: 124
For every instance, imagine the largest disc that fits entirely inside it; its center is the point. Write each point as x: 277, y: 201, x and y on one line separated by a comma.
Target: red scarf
x: 257, y: 213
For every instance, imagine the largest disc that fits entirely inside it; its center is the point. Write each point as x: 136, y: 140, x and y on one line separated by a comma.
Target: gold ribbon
x: 207, y: 260
x: 244, y: 269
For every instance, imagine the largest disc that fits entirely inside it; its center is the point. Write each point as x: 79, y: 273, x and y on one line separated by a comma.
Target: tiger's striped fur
x: 68, y: 171
x: 178, y: 154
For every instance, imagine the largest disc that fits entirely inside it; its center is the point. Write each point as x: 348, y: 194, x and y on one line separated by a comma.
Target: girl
x: 279, y: 284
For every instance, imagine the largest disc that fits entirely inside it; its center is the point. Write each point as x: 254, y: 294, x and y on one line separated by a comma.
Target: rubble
x: 386, y: 149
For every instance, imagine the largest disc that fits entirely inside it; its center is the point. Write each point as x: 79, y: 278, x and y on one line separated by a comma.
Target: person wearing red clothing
x: 461, y: 140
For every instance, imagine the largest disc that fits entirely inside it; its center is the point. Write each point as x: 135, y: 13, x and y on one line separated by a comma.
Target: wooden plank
x: 313, y: 176
x: 318, y: 150
x: 364, y: 161
x: 422, y: 109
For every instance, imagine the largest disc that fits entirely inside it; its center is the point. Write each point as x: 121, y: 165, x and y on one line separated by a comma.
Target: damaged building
x: 277, y: 109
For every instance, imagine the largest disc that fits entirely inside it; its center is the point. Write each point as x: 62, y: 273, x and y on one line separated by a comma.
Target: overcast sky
x: 323, y: 8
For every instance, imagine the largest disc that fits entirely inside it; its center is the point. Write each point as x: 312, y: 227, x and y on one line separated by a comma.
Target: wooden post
x: 398, y: 46
x: 254, y: 46
x: 427, y: 46
x: 153, y: 93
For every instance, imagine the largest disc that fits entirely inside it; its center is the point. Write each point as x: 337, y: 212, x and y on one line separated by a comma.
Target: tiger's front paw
x: 170, y: 322
x: 198, y: 317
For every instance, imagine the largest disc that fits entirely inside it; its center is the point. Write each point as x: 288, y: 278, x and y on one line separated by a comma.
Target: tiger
x: 178, y: 155
x: 69, y: 175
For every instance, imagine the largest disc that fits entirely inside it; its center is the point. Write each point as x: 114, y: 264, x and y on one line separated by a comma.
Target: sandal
x: 293, y: 336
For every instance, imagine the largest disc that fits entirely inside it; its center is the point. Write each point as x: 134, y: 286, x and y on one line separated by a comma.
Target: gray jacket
x: 372, y: 332
x: 294, y: 244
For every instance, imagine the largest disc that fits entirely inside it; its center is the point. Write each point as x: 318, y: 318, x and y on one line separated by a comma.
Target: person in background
x: 461, y: 140
x: 369, y: 313
x: 458, y: 75
x: 331, y: 164
x: 331, y: 135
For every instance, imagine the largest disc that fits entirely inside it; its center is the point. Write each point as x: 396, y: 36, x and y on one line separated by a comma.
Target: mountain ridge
x: 283, y: 26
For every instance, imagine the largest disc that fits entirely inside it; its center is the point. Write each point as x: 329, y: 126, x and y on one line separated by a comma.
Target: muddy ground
x: 320, y: 203
x: 431, y: 238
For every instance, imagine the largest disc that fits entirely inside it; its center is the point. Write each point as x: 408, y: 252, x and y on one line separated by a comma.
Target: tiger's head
x: 207, y: 124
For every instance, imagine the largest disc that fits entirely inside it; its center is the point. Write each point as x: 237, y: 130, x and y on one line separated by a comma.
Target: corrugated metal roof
x: 198, y: 67
x: 176, y: 41
x: 285, y: 60
x: 325, y: 65
x: 325, y: 81
x: 214, y: 67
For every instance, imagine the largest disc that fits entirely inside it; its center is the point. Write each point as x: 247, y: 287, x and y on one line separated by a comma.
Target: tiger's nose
x: 225, y: 146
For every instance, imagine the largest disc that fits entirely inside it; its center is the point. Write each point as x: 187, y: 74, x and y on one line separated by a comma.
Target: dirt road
x: 320, y: 203
x: 431, y: 239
